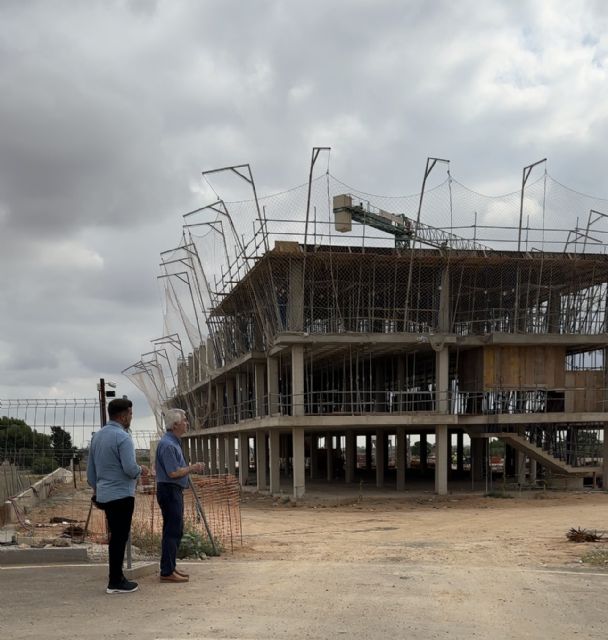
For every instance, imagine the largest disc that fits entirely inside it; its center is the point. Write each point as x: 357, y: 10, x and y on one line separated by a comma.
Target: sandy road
x: 456, y: 567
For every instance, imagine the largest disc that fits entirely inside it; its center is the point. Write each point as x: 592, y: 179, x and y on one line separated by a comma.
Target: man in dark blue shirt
x: 171, y: 479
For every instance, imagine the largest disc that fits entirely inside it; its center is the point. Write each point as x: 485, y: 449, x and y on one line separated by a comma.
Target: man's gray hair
x: 172, y: 417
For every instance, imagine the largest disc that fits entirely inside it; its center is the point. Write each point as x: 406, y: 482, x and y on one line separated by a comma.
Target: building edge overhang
x: 410, y: 421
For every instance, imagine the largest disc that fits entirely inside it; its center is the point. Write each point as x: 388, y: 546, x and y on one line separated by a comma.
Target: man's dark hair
x: 118, y: 406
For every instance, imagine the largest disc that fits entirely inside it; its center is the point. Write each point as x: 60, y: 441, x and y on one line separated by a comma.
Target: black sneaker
x: 125, y: 586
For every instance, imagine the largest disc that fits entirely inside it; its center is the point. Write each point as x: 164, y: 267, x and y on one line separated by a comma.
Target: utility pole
x: 103, y: 394
x: 101, y: 387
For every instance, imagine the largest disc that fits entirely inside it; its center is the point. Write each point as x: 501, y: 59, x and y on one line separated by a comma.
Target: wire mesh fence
x: 67, y: 512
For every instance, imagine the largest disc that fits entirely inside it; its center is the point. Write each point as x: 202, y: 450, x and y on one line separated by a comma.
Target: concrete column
x: 460, y: 452
x: 380, y: 436
x: 243, y: 459
x: 295, y: 305
x: 206, y: 457
x: 221, y: 443
x: 478, y: 461
x: 275, y: 469
x: 213, y: 455
x: 533, y: 471
x: 260, y: 460
x: 554, y: 311
x: 272, y: 371
x: 379, y: 387
x: 186, y: 449
x: 211, y: 364
x: 260, y: 388
x: 424, y: 454
x: 350, y: 456
x: 314, y: 455
x: 444, y: 320
x: 219, y: 403
x: 329, y: 459
x: 231, y: 454
x: 400, y: 383
x: 297, y: 379
x: 442, y: 377
x: 299, y: 462
x: 441, y: 459
x: 195, y: 448
x: 400, y: 458
x: 239, y: 381
x: 521, y: 467
x: 202, y: 362
x: 605, y: 460
x: 230, y: 409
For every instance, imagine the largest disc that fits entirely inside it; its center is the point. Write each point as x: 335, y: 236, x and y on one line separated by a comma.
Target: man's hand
x: 197, y: 467
x: 144, y: 470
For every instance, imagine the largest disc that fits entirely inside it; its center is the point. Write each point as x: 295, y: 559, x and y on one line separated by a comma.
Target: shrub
x: 145, y: 540
x: 43, y: 465
x: 197, y: 545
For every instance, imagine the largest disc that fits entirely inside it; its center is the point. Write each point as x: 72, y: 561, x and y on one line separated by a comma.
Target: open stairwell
x: 544, y: 457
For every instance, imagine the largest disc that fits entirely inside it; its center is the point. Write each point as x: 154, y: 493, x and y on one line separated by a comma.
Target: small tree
x: 44, y: 465
x: 61, y: 444
x: 19, y: 443
x: 416, y: 448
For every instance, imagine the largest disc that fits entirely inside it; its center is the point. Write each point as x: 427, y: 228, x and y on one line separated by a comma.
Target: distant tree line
x: 25, y: 447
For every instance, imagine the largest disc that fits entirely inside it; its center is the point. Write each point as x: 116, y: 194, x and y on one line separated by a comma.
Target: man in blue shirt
x: 171, y: 479
x: 113, y: 473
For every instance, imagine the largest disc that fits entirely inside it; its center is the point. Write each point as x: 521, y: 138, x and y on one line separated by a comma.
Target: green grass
x: 596, y: 557
x: 195, y: 544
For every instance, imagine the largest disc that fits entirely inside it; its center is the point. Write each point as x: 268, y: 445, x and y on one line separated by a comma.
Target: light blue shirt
x: 111, y: 468
x: 169, y: 458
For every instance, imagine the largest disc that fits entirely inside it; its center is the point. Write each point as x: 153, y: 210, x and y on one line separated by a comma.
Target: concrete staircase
x: 544, y: 457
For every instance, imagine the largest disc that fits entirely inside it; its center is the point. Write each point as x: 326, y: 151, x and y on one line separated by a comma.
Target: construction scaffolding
x: 327, y: 301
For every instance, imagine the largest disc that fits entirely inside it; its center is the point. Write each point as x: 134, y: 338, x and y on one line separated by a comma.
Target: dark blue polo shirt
x: 169, y: 458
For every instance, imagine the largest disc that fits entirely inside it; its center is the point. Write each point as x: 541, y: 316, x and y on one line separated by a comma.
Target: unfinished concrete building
x: 365, y: 344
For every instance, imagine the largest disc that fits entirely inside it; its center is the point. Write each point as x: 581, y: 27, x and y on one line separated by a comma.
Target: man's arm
x: 182, y: 472
x: 126, y: 451
x: 91, y: 472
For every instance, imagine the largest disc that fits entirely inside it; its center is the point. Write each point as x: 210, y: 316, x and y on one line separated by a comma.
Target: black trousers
x: 118, y: 514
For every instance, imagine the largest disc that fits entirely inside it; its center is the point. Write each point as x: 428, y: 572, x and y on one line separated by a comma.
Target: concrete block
x: 43, y: 556
x: 7, y: 536
x: 140, y: 569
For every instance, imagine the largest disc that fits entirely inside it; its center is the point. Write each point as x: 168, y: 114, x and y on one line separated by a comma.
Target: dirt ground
x: 527, y: 530
x: 415, y: 566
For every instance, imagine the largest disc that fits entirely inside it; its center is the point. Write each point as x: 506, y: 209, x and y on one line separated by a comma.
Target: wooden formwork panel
x: 512, y: 367
x: 584, y: 391
x: 517, y: 367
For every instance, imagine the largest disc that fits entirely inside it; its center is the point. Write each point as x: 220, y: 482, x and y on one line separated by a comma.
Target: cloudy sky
x: 109, y: 110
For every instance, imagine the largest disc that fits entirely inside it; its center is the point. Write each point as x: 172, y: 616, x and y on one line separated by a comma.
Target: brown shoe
x: 183, y: 574
x: 174, y: 577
